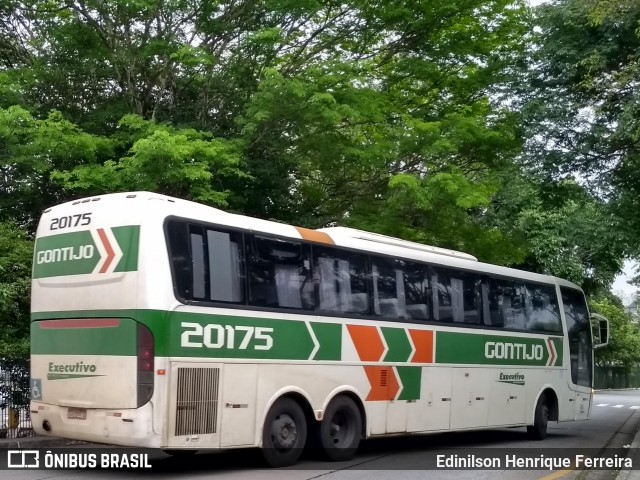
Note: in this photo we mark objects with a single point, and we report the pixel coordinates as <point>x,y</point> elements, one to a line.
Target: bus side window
<point>456,296</point>
<point>496,296</point>
<point>545,314</point>
<point>399,289</point>
<point>180,255</point>
<point>342,281</point>
<point>279,273</point>
<point>226,266</point>
<point>576,315</point>
<point>509,306</point>
<point>197,260</point>
<point>416,288</point>
<point>389,299</point>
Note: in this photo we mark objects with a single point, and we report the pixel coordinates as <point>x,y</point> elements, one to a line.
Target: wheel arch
<point>552,402</point>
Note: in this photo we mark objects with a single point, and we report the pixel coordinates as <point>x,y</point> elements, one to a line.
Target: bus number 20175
<point>79,219</point>
<point>213,335</point>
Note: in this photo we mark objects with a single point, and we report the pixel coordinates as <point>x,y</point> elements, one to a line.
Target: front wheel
<point>284,433</point>
<point>341,429</point>
<point>538,431</point>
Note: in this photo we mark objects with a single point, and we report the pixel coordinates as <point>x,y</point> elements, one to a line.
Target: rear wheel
<point>284,433</point>
<point>341,429</point>
<point>538,431</point>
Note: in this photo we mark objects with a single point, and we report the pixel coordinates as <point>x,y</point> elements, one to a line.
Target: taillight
<point>145,364</point>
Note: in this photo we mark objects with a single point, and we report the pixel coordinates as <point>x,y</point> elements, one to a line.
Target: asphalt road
<point>615,420</point>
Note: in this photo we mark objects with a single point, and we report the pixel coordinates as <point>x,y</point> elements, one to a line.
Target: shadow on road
<point>312,459</point>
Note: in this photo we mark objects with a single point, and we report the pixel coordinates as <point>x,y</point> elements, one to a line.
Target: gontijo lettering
<point>65,254</point>
<point>518,351</point>
<point>86,252</point>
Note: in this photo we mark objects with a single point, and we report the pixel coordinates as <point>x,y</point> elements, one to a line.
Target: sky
<point>620,286</point>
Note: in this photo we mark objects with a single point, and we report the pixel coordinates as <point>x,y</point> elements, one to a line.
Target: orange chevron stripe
<point>423,341</point>
<point>552,352</point>
<point>107,246</point>
<point>367,342</point>
<point>384,383</point>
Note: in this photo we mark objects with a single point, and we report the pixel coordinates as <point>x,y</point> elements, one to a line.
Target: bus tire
<point>341,429</point>
<point>284,433</point>
<point>538,431</point>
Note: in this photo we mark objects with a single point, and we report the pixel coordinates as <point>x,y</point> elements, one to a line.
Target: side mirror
<point>600,334</point>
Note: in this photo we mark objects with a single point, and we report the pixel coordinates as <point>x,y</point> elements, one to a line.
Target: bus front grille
<point>197,401</point>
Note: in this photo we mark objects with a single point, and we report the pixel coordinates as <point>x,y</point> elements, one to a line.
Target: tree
<point>623,349</point>
<point>16,250</point>
<point>581,113</point>
<point>180,162</point>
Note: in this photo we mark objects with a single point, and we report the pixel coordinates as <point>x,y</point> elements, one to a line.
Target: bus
<point>159,322</point>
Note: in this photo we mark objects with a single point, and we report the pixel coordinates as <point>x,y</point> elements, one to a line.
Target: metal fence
<point>15,419</point>
<point>616,377</point>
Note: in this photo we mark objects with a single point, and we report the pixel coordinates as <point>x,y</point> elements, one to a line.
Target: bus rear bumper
<point>126,427</point>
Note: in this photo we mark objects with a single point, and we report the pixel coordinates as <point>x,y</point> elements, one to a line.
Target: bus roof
<point>337,232</point>
<point>339,236</point>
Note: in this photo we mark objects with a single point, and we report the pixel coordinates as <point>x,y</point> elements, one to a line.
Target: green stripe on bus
<point>221,336</point>
<point>398,343</point>
<point>329,337</point>
<point>120,340</point>
<point>410,377</point>
<point>240,337</point>
<point>65,254</point>
<point>478,349</point>
<point>76,253</point>
<point>129,239</point>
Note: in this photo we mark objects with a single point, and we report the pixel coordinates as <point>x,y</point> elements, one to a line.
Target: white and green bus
<point>162,323</point>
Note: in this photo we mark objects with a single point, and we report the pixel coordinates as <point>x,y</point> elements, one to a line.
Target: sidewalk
<point>634,455</point>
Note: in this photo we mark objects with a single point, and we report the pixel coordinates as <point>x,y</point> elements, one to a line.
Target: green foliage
<point>30,150</point>
<point>623,349</point>
<point>179,162</point>
<point>573,237</point>
<point>442,209</point>
<point>582,113</point>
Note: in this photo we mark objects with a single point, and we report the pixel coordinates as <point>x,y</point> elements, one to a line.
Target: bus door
<point>580,350</point>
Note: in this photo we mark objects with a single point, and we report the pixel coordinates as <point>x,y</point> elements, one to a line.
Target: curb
<point>36,442</point>
<point>626,389</point>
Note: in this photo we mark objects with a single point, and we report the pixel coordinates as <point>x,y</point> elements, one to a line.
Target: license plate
<point>77,413</point>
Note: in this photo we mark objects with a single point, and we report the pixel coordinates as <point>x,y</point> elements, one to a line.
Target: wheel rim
<point>284,432</point>
<point>341,430</point>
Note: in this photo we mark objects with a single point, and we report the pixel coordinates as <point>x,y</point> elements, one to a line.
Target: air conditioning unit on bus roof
<point>387,240</point>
